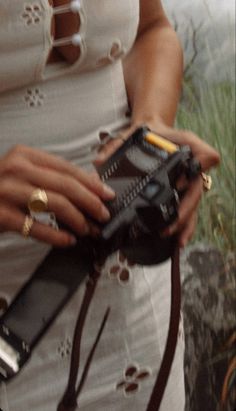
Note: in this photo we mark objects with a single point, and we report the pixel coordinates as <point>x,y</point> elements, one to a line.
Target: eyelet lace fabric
<point>32,13</point>
<point>132,379</point>
<point>64,348</point>
<point>67,110</point>
<point>29,26</point>
<point>121,270</point>
<point>34,97</point>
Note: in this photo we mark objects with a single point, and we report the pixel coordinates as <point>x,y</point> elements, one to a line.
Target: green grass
<point>209,111</point>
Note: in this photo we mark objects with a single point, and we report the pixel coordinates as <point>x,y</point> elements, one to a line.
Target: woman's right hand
<point>72,194</point>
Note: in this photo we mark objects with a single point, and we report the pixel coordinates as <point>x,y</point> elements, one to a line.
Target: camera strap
<point>168,357</point>
<point>37,305</point>
<point>70,399</point>
<point>43,297</point>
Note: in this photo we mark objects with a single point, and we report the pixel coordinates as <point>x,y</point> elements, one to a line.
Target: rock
<point>208,303</point>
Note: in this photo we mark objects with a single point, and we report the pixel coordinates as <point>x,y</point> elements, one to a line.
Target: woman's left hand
<point>206,155</point>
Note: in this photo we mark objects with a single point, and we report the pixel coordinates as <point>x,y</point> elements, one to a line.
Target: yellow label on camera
<point>161,142</point>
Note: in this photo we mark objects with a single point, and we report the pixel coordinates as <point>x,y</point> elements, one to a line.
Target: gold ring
<point>26,228</point>
<point>38,201</point>
<point>207,181</point>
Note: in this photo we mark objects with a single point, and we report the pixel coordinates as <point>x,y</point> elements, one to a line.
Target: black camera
<point>143,173</point>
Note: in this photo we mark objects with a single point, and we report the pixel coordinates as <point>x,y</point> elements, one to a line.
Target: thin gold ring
<point>27,226</point>
<point>38,202</point>
<point>207,181</point>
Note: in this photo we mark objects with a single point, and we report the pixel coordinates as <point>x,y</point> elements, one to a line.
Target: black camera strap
<point>37,305</point>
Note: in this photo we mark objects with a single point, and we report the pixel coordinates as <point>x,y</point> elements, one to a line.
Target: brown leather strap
<point>163,375</point>
<point>69,399</point>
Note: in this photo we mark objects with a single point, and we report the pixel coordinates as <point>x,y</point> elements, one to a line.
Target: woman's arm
<point>153,75</point>
<point>153,70</point>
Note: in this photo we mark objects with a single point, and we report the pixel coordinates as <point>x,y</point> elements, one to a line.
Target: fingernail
<point>108,191</point>
<point>105,214</point>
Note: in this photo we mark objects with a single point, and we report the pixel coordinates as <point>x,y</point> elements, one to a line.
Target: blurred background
<point>207,32</point>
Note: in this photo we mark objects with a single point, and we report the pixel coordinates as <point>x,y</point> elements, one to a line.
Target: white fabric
<point>62,109</point>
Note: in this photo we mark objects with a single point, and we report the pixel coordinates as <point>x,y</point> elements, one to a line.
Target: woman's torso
<point>63,108</point>
<point>63,102</point>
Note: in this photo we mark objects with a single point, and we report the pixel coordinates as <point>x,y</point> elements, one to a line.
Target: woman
<point>69,75</point>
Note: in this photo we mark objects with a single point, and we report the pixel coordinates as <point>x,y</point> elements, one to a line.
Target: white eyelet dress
<point>64,109</point>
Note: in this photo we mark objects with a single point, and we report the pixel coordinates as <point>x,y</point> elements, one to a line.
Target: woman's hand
<point>206,155</point>
<point>72,194</point>
<point>112,144</point>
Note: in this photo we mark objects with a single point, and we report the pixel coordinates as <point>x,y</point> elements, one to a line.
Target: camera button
<point>151,190</point>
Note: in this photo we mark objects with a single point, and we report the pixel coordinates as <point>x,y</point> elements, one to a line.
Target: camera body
<point>143,172</point>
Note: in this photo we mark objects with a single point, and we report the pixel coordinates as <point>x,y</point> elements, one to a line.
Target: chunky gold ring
<point>207,181</point>
<point>27,225</point>
<point>38,202</point>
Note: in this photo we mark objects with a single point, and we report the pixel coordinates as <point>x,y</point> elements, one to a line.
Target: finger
<point>188,231</point>
<point>187,207</point>
<point>94,230</point>
<point>182,183</point>
<point>108,149</point>
<point>12,219</point>
<point>207,155</point>
<point>18,194</point>
<point>67,187</point>
<point>113,144</point>
<point>46,161</point>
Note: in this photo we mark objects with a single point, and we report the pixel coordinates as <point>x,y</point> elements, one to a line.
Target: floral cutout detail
<point>121,270</point>
<point>34,98</point>
<point>32,14</point>
<point>133,378</point>
<point>116,52</point>
<point>64,349</point>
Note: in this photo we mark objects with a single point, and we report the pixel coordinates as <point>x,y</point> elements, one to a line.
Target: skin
<point>153,75</point>
<point>64,25</point>
<point>71,193</point>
